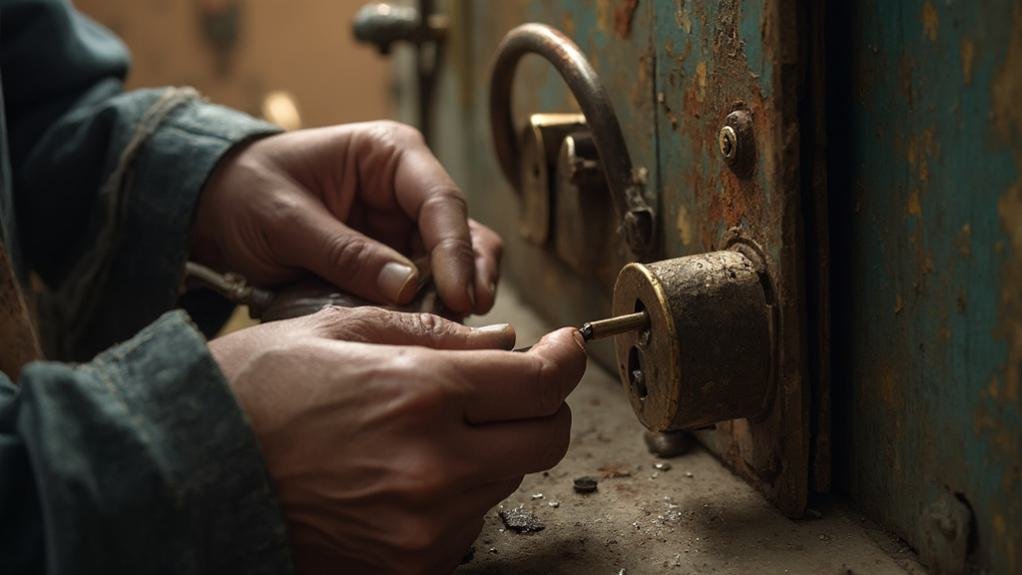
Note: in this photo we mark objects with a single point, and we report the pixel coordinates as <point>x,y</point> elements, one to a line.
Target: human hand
<point>385,456</point>
<point>351,204</point>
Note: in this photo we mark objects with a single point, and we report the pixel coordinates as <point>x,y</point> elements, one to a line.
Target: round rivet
<point>736,143</point>
<point>728,142</point>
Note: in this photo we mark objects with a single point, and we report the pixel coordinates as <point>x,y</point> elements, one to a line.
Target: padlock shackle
<point>627,191</point>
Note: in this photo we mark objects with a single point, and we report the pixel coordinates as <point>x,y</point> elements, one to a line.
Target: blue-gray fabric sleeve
<point>105,181</point>
<point>137,462</point>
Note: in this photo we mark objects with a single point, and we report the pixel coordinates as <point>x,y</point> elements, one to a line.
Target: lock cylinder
<point>706,355</point>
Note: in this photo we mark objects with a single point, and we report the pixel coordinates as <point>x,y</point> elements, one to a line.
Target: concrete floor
<point>696,517</point>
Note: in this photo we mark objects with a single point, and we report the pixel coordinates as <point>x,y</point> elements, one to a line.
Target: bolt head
<point>728,142</point>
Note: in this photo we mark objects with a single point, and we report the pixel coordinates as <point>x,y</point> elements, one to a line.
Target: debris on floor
<point>585,484</point>
<point>521,520</point>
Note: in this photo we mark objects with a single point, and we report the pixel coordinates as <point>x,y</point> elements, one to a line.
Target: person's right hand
<point>385,458</point>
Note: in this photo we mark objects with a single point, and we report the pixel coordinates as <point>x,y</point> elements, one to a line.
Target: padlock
<point>582,203</point>
<point>706,355</point>
<point>541,140</point>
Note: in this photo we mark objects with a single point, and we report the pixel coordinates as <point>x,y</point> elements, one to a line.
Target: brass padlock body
<point>706,356</point>
<point>540,143</point>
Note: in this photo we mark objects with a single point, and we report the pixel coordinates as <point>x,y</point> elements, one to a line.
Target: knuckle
<point>433,327</point>
<point>459,248</point>
<point>395,134</point>
<point>347,253</point>
<point>445,196</point>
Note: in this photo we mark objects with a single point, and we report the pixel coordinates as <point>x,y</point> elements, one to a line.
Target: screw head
<point>728,142</point>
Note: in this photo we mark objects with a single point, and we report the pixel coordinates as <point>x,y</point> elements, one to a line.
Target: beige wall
<point>301,46</point>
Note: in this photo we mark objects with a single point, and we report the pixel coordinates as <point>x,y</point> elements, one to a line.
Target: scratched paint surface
<point>926,172</point>
<point>713,58</point>
<point>674,70</point>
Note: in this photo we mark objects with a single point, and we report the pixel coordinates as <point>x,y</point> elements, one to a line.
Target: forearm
<point>138,462</point>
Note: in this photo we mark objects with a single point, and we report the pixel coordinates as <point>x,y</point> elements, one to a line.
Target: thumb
<point>352,261</point>
<point>377,325</point>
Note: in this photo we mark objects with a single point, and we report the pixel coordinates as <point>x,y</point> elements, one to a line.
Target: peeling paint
<point>931,22</point>
<point>684,226</point>
<point>683,17</point>
<point>623,16</point>
<point>968,54</point>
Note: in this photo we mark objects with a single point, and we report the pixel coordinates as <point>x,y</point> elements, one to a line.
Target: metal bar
<point>601,328</point>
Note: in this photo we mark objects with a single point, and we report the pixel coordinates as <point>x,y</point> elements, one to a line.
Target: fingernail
<point>581,341</point>
<point>495,328</point>
<point>394,280</point>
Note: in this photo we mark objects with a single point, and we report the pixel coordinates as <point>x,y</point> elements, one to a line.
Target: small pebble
<point>554,504</point>
<point>689,474</point>
<point>585,484</point>
<point>521,520</point>
<point>662,466</point>
<point>493,550</point>
<point>536,496</point>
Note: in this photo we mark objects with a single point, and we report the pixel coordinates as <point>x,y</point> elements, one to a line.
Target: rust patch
<point>684,226</point>
<point>614,471</point>
<point>1007,118</point>
<point>968,54</point>
<point>682,17</point>
<point>623,16</point>
<point>913,207</point>
<point>931,22</point>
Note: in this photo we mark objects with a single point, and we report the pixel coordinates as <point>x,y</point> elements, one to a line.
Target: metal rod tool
<point>602,328</point>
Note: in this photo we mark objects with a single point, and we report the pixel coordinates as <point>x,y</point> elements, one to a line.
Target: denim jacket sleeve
<point>137,462</point>
<point>105,181</point>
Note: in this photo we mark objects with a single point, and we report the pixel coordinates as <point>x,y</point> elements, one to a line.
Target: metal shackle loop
<point>627,191</point>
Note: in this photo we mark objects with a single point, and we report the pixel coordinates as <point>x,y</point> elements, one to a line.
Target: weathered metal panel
<point>926,179</point>
<point>713,58</point>
<point>674,70</point>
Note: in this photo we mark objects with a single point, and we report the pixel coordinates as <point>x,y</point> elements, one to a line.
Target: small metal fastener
<point>585,484</point>
<point>728,142</point>
<point>668,443</point>
<point>737,144</point>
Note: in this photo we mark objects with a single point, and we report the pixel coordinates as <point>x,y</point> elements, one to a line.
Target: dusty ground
<point>695,517</point>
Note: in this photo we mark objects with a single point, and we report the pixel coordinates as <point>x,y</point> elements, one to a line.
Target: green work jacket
<point>136,460</point>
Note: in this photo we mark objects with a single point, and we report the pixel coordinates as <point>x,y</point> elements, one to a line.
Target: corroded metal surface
<point>926,174</point>
<point>706,354</point>
<point>673,71</point>
<point>714,59</point>
<point>694,518</point>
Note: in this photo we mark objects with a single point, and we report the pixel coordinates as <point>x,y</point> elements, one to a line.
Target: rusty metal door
<point>889,128</point>
<point>674,72</point>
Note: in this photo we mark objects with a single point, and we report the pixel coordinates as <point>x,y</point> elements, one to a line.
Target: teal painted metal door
<point>926,181</point>
<point>908,158</point>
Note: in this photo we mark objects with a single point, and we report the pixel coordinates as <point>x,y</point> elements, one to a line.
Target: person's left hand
<point>351,204</point>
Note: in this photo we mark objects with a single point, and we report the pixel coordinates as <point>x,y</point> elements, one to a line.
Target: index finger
<point>507,386</point>
<point>430,197</point>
